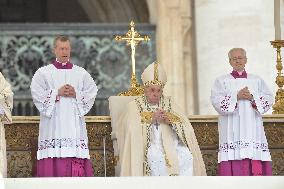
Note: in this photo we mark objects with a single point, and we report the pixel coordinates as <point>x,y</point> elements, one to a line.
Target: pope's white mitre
<point>154,74</point>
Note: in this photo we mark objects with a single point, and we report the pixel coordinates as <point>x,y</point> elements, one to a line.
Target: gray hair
<point>237,49</point>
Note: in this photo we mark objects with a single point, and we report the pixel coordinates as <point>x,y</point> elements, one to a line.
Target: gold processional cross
<point>132,38</point>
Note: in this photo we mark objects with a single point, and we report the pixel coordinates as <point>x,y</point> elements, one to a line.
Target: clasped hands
<point>244,94</point>
<point>67,91</point>
<point>160,116</point>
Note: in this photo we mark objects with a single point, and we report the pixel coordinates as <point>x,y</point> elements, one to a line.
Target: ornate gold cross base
<point>134,90</point>
<point>278,107</point>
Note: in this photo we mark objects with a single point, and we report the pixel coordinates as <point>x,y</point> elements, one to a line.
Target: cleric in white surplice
<point>241,99</point>
<point>63,93</point>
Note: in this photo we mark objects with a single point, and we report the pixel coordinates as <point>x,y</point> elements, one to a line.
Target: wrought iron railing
<point>26,47</point>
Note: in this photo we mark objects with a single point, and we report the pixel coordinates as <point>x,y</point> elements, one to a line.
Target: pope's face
<point>153,93</point>
<point>238,60</point>
<point>62,50</point>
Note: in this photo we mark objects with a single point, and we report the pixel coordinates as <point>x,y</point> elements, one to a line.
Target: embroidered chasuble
<point>6,104</point>
<point>147,149</point>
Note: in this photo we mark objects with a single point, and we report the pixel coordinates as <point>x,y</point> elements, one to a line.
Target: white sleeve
<point>224,102</point>
<point>263,98</point>
<point>43,97</point>
<point>2,112</point>
<point>6,100</point>
<point>85,97</point>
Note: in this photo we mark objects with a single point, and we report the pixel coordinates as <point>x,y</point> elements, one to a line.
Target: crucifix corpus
<point>132,38</point>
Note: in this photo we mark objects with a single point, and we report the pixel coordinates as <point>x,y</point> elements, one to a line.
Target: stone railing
<point>22,143</point>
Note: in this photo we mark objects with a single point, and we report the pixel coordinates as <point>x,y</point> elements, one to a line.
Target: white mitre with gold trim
<point>154,74</point>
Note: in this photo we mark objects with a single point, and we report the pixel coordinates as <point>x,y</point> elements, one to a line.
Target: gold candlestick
<point>132,38</point>
<point>278,107</point>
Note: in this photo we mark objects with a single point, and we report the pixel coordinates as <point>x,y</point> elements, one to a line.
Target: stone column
<point>173,19</point>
